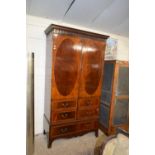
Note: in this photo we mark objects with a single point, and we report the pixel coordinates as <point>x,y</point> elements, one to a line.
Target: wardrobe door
<point>66,66</point>
<point>91,70</point>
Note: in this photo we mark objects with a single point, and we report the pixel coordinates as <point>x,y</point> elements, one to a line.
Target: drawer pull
<point>63,130</point>
<point>88,112</point>
<point>88,103</point>
<point>64,115</point>
<point>66,104</point>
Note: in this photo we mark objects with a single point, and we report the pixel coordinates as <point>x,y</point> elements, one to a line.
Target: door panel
<point>66,66</point>
<point>91,72</point>
<point>121,112</point>
<point>123,81</point>
<point>104,115</point>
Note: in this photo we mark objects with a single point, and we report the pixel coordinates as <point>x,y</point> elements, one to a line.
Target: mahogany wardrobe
<point>73,81</point>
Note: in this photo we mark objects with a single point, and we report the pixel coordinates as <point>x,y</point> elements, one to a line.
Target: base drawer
<point>72,128</point>
<point>88,125</point>
<point>62,130</point>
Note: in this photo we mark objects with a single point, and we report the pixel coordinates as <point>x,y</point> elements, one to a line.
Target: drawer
<point>63,130</point>
<point>63,116</point>
<point>88,125</point>
<point>91,113</point>
<point>64,105</point>
<point>87,103</point>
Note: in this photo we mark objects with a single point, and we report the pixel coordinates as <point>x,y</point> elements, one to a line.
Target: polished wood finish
<point>88,125</point>
<point>62,130</point>
<point>91,72</point>
<point>115,97</point>
<point>64,105</point>
<point>66,66</point>
<point>63,116</point>
<point>88,103</point>
<point>88,114</point>
<point>60,29</point>
<point>74,82</point>
<point>73,128</point>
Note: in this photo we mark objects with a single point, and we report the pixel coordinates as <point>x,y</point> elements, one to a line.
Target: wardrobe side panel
<point>48,72</point>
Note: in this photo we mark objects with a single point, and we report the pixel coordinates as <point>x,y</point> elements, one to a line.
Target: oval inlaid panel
<point>66,67</point>
<point>93,68</point>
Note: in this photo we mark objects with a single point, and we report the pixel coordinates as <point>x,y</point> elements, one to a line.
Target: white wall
<point>35,38</point>
<point>36,43</point>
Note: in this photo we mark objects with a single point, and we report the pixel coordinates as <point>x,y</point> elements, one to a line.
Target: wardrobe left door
<point>66,66</point>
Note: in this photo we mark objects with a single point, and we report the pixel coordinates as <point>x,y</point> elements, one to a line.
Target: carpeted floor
<point>82,145</point>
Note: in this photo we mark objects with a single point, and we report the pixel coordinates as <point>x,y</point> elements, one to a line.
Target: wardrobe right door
<point>91,68</point>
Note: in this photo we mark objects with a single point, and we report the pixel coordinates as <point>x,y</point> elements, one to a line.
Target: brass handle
<point>63,130</point>
<point>64,115</point>
<point>88,103</point>
<point>88,112</point>
<point>66,104</point>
